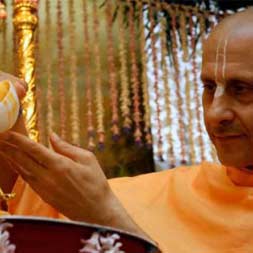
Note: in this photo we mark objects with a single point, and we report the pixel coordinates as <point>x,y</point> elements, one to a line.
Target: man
<point>199,209</point>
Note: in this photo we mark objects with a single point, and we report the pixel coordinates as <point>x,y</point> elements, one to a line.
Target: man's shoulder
<point>150,179</point>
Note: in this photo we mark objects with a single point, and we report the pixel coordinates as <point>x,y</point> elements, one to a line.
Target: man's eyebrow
<point>241,78</point>
<point>206,78</point>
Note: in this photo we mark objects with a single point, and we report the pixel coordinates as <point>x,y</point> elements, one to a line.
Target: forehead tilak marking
<point>220,89</point>
<point>217,60</point>
<point>220,86</point>
<point>224,59</point>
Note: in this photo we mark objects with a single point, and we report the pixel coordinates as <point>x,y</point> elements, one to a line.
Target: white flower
<point>5,246</point>
<point>101,244</point>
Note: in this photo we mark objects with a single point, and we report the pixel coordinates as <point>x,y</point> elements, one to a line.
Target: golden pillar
<point>25,22</point>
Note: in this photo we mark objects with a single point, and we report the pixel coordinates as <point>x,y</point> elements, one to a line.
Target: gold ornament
<point>25,22</point>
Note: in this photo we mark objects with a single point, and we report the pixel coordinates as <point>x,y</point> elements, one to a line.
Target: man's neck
<point>240,177</point>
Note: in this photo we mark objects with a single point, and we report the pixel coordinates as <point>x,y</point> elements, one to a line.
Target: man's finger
<point>22,163</point>
<point>36,151</point>
<point>64,148</point>
<point>20,89</point>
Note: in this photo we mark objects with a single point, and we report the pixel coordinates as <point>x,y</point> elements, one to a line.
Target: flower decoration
<point>5,245</point>
<point>102,244</point>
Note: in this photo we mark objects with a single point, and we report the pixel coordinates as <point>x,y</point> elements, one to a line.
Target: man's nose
<point>221,111</point>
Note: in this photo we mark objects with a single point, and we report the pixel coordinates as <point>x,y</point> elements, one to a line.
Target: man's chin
<point>247,167</point>
<point>236,163</point>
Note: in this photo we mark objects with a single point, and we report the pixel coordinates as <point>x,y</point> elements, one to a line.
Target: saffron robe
<point>193,209</point>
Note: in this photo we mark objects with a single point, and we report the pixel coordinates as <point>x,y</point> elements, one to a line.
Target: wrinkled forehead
<point>240,41</point>
<point>232,46</point>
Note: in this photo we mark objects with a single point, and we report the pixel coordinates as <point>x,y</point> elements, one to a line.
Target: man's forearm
<point>7,175</point>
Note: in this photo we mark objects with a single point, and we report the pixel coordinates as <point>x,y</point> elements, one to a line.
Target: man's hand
<point>7,175</point>
<point>70,179</point>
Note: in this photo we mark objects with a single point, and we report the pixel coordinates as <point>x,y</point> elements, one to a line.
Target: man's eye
<point>238,89</point>
<point>209,87</point>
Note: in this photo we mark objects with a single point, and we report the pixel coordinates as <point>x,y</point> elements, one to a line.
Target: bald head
<point>231,38</point>
<point>233,22</point>
<point>238,25</point>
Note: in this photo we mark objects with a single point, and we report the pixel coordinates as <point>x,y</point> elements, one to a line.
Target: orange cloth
<point>3,213</point>
<point>193,209</point>
<point>27,202</point>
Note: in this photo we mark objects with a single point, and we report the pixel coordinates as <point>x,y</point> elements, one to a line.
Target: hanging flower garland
<point>173,15</point>
<point>39,97</point>
<point>188,88</point>
<point>144,80</point>
<point>134,76</point>
<point>195,83</point>
<point>202,25</point>
<point>167,94</point>
<point>61,71</point>
<point>125,91</point>
<point>156,88</point>
<point>91,144</point>
<point>49,94</point>
<point>184,40</point>
<point>183,33</point>
<point>112,73</point>
<point>3,30</point>
<point>75,124</point>
<point>14,52</point>
<point>99,96</point>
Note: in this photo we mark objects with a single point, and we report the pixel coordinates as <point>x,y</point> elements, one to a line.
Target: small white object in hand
<point>9,105</point>
<point>5,245</point>
<point>102,244</point>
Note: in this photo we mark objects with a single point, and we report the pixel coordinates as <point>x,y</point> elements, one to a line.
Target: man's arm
<point>8,176</point>
<point>70,179</point>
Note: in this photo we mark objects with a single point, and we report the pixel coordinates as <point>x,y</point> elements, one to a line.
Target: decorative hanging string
<point>202,25</point>
<point>39,96</point>
<point>196,93</point>
<point>60,69</point>
<point>173,15</point>
<point>125,90</point>
<point>213,20</point>
<point>87,63</point>
<point>134,76</point>
<point>188,88</point>
<point>3,30</point>
<point>144,80</point>
<point>99,96</point>
<point>49,94</point>
<point>112,72</point>
<point>156,88</point>
<point>183,33</point>
<point>184,40</point>
<point>167,93</point>
<point>74,116</point>
<point>14,54</point>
